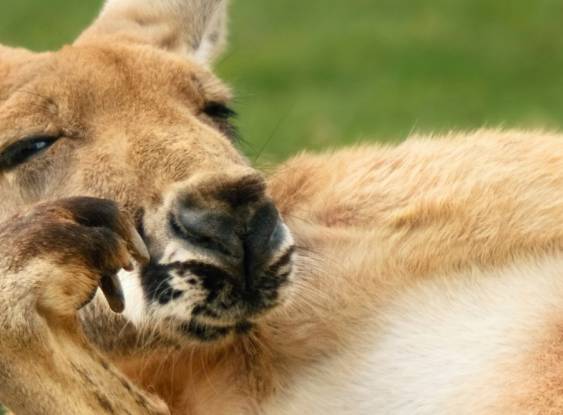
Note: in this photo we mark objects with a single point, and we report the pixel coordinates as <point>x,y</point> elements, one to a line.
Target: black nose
<point>264,235</point>
<point>244,239</point>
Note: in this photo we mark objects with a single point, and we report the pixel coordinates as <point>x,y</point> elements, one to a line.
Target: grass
<point>326,73</point>
<point>323,73</point>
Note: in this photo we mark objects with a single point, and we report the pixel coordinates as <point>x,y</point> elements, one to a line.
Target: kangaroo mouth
<point>202,302</point>
<point>209,276</point>
<point>205,332</point>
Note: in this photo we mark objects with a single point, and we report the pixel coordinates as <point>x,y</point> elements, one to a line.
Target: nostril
<point>207,230</point>
<point>263,223</point>
<point>264,234</point>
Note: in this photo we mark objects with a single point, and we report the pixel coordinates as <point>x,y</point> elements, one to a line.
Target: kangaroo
<point>147,268</point>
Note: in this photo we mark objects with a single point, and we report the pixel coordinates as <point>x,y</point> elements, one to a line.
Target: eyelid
<point>216,109</point>
<point>42,130</point>
<point>9,154</point>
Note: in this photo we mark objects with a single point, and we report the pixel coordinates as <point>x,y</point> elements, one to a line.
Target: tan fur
<point>370,223</point>
<point>423,209</point>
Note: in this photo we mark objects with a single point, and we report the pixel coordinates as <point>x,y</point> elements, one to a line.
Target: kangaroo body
<point>418,279</point>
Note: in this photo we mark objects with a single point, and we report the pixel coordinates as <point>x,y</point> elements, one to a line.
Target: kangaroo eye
<point>218,110</point>
<point>20,152</point>
<point>222,116</point>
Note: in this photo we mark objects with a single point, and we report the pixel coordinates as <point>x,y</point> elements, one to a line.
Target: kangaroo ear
<point>191,27</point>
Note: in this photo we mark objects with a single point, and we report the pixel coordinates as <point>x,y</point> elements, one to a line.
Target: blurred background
<point>325,73</point>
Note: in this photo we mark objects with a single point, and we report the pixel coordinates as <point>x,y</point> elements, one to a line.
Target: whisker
<point>273,133</point>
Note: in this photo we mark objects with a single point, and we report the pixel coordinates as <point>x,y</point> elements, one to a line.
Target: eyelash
<point>222,115</point>
<point>219,111</point>
<point>22,151</point>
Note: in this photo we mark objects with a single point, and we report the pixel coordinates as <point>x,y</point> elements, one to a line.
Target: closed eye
<point>23,150</point>
<point>222,116</point>
<point>218,110</point>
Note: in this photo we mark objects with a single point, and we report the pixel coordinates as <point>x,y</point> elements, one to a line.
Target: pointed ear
<point>195,28</point>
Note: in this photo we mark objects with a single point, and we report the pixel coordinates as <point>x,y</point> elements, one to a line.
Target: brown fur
<point>369,222</point>
<point>430,213</point>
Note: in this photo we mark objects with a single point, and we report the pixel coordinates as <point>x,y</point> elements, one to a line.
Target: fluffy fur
<point>425,280</point>
<point>427,283</point>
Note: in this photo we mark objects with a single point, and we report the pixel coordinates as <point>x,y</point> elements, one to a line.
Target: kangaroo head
<point>131,112</point>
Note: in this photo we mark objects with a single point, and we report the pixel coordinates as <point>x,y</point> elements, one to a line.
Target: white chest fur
<point>445,346</point>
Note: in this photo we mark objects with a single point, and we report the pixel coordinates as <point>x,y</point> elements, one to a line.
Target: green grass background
<point>323,73</point>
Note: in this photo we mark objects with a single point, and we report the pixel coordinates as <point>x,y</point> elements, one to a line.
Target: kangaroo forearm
<point>63,376</point>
